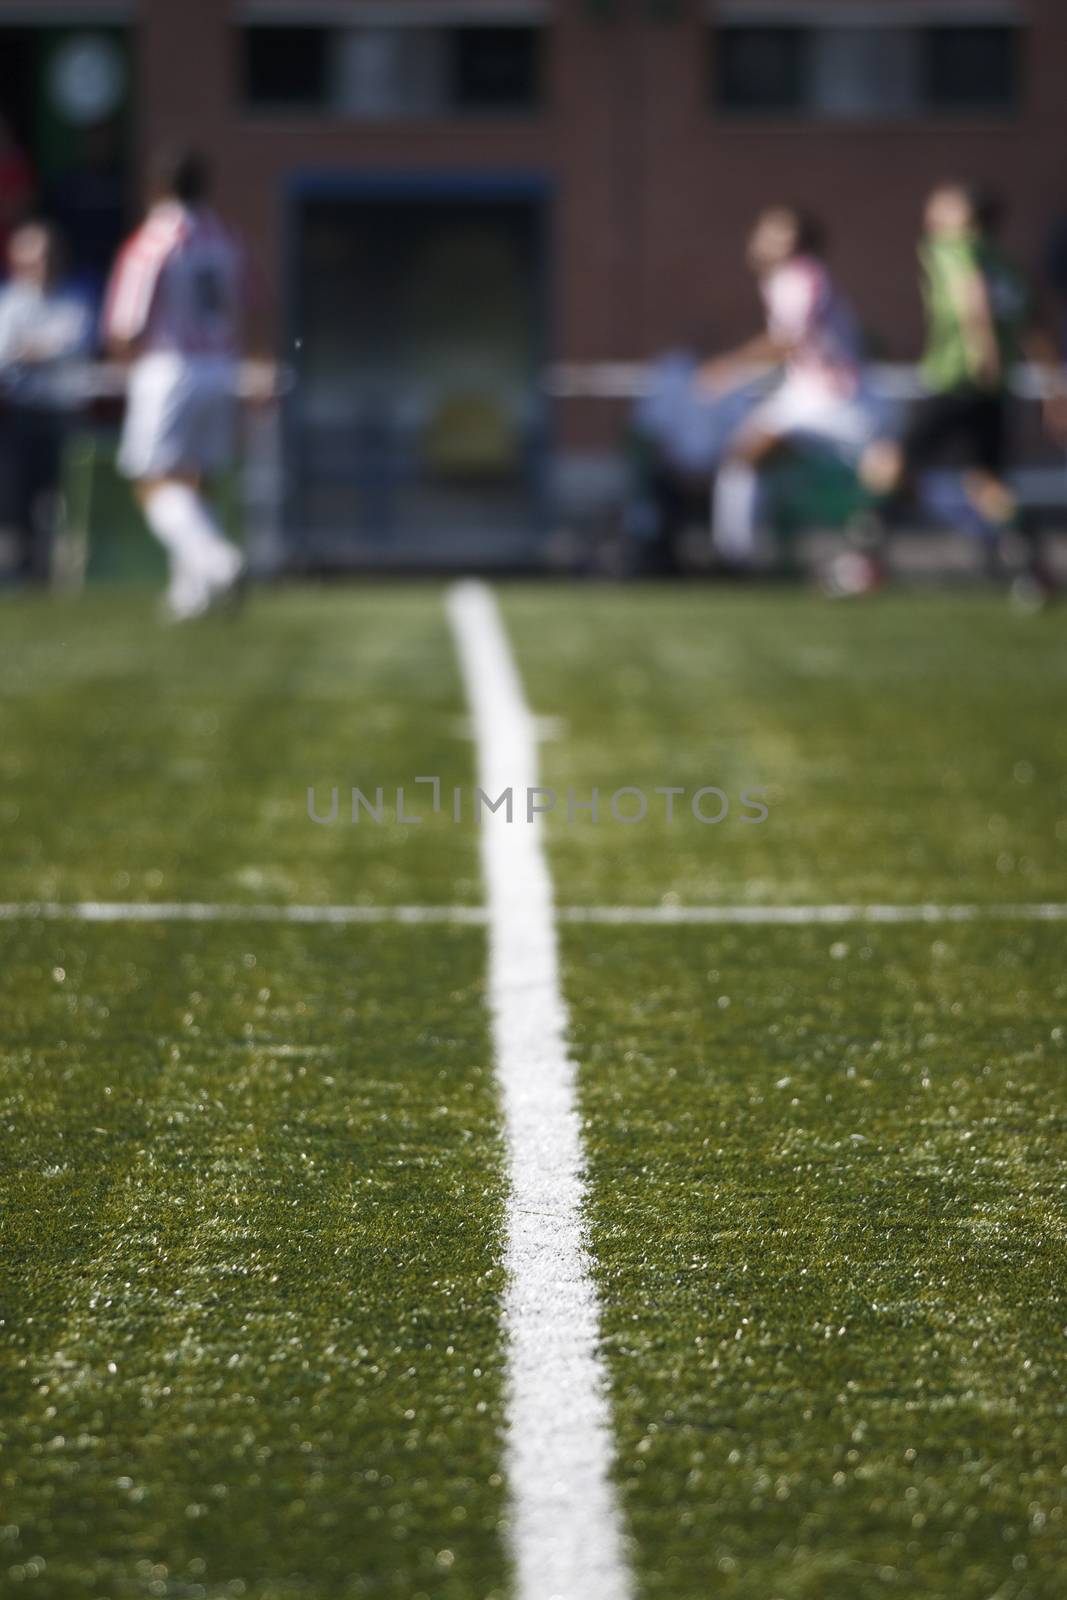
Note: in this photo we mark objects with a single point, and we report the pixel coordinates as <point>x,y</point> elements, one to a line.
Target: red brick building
<point>507,183</point>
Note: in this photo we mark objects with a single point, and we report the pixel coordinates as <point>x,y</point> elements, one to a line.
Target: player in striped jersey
<point>174,312</point>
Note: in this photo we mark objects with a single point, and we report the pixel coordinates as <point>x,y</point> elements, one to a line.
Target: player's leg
<point>202,561</point>
<point>987,489</point>
<point>993,498</point>
<point>213,445</point>
<point>150,448</point>
<point>847,428</point>
<point>891,462</point>
<point>42,463</point>
<point>890,466</point>
<point>174,432</point>
<point>958,418</point>
<point>735,492</point>
<point>30,471</point>
<point>995,503</point>
<point>984,482</point>
<point>883,468</point>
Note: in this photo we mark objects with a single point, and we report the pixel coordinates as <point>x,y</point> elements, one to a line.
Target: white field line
<point>201,911</point>
<point>803,916</point>
<point>478,916</point>
<point>566,1532</point>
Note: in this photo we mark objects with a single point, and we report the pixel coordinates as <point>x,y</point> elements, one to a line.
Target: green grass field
<point>253,1175</point>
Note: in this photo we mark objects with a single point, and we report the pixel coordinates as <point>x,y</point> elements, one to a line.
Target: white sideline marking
<point>478,916</point>
<point>566,1530</point>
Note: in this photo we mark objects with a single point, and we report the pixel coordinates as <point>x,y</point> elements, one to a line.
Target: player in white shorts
<point>174,311</point>
<point>820,404</point>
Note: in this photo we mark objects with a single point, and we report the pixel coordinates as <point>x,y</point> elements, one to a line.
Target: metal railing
<point>629,380</point>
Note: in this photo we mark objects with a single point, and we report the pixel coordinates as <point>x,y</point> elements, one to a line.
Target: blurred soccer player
<point>45,334</point>
<point>174,310</point>
<point>980,322</point>
<point>821,404</point>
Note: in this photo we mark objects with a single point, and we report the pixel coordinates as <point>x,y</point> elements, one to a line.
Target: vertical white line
<point>565,1525</point>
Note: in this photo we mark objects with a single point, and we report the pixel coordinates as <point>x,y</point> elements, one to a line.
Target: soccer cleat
<point>228,584</point>
<point>184,601</point>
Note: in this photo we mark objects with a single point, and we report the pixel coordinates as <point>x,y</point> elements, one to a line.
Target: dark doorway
<point>416,432</point>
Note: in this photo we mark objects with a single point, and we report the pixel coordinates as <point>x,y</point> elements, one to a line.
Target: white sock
<point>202,561</point>
<point>733,513</point>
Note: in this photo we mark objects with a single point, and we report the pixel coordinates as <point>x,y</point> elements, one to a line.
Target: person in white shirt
<point>174,310</point>
<point>821,403</point>
<point>45,334</point>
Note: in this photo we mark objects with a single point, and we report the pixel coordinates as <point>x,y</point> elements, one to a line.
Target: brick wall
<point>654,190</point>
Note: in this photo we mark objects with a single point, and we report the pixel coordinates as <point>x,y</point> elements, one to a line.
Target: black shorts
<point>962,427</point>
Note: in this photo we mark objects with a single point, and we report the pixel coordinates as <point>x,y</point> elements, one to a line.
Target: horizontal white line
<point>199,911</point>
<point>477,916</point>
<point>789,916</point>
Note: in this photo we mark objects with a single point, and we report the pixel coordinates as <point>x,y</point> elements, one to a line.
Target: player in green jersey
<point>980,323</point>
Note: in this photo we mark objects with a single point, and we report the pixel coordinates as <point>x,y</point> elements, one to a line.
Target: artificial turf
<point>912,749</point>
<point>251,1175</point>
<point>257,1170</point>
<point>250,1339</point>
<point>827,1203</point>
<point>829,1227</point>
<point>139,762</point>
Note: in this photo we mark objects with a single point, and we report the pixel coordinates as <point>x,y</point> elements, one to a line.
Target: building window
<point>285,67</point>
<point>496,68</point>
<point>380,73</point>
<point>761,69</point>
<point>974,69</point>
<point>865,72</point>
<point>385,72</point>
<point>859,71</point>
